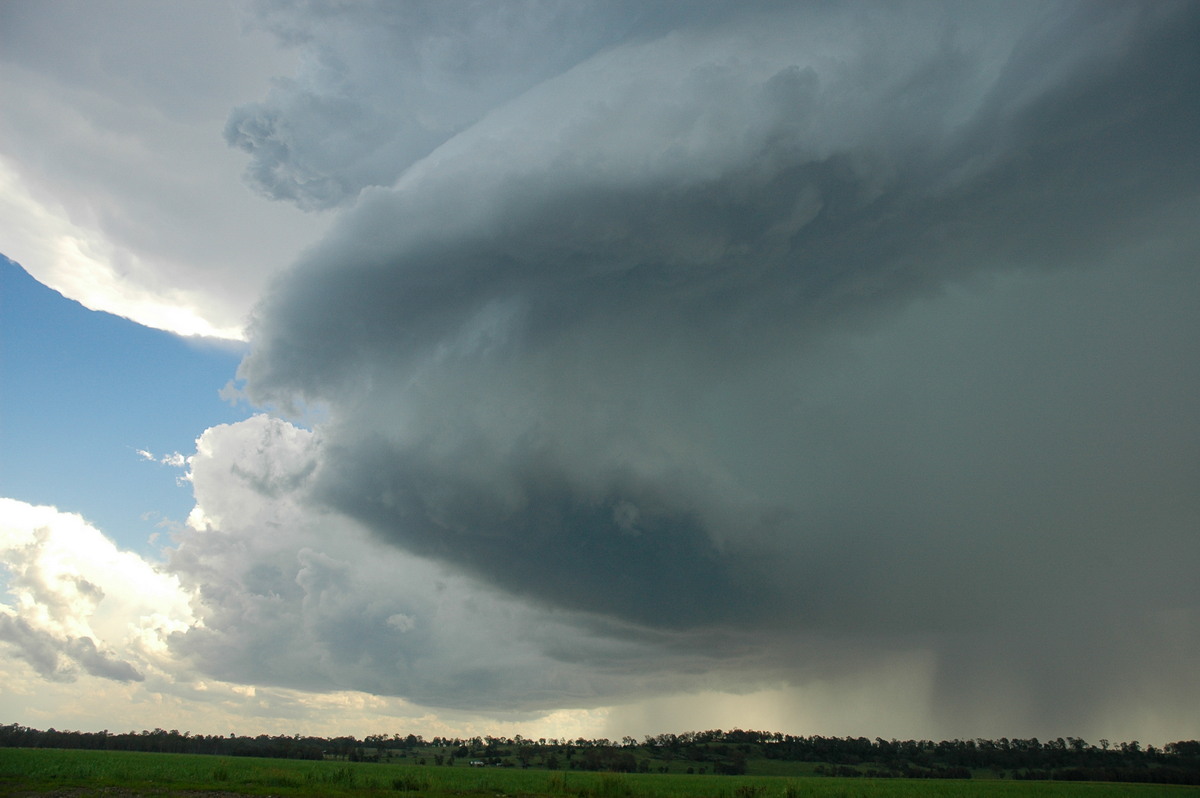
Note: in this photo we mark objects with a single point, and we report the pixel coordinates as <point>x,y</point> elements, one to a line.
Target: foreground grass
<point>32,772</point>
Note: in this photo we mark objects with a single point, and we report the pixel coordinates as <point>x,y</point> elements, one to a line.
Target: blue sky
<point>83,391</point>
<point>827,368</point>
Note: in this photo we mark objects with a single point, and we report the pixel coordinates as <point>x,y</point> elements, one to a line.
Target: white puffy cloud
<point>78,602</point>
<point>86,634</point>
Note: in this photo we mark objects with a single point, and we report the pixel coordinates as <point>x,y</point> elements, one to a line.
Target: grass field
<point>35,772</point>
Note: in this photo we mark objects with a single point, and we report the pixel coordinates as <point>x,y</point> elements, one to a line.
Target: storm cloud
<point>294,596</point>
<point>835,331</point>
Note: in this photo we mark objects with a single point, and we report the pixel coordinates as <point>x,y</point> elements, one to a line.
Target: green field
<point>33,772</point>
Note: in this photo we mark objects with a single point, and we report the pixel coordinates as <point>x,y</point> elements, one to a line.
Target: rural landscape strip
<point>707,753</point>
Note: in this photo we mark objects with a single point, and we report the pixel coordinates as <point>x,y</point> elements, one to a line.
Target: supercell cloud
<point>837,355</point>
<point>783,335</point>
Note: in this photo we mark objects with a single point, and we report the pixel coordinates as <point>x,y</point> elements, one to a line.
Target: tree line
<point>707,752</point>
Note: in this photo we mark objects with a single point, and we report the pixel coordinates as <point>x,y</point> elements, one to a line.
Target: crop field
<point>51,772</point>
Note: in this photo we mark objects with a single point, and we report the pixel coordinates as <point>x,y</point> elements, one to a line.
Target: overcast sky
<point>601,368</point>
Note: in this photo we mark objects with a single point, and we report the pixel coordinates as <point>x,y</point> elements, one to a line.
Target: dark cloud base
<point>652,565</point>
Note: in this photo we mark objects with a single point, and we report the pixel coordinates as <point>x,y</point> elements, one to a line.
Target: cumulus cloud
<point>812,333</point>
<point>79,604</point>
<point>89,634</point>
